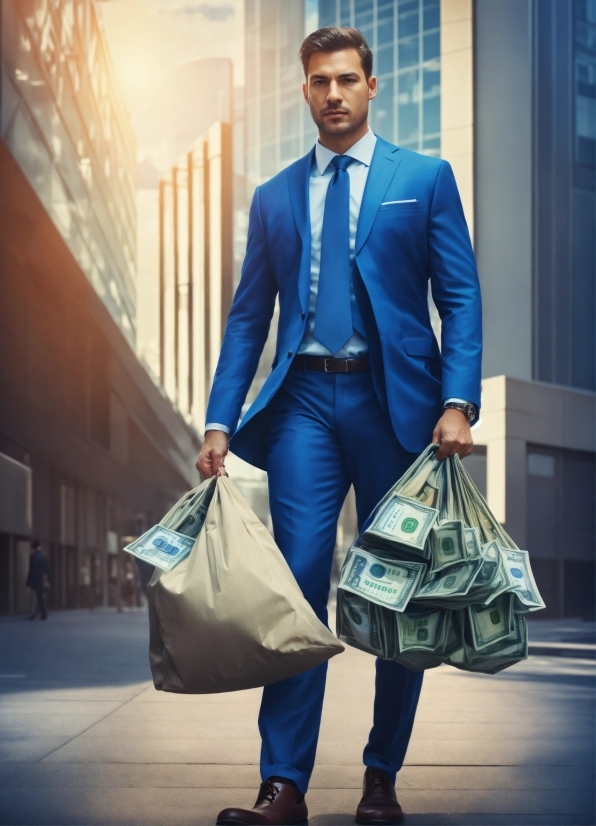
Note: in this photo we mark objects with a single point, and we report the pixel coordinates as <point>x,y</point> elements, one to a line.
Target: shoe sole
<point>237,823</point>
<point>379,822</point>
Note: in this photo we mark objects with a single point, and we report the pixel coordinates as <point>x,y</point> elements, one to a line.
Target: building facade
<point>195,269</point>
<point>534,182</point>
<point>91,450</point>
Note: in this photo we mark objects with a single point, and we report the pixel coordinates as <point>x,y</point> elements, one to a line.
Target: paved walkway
<point>85,739</point>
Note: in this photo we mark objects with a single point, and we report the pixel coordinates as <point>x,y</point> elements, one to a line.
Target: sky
<point>149,38</point>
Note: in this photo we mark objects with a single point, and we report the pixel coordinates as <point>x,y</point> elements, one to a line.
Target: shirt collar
<point>361,151</point>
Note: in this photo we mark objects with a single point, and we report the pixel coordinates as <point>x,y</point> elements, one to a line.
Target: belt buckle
<point>344,363</point>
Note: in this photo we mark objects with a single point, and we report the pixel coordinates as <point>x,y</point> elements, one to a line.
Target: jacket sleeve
<point>455,290</point>
<point>247,327</point>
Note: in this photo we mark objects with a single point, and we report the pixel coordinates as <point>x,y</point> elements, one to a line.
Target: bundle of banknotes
<point>433,578</point>
<point>168,543</point>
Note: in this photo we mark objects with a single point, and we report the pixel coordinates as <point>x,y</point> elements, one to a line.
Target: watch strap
<point>467,408</point>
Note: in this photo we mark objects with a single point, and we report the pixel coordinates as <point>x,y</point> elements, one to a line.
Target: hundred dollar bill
<point>188,514</point>
<point>357,624</point>
<point>517,568</point>
<point>448,544</point>
<point>502,654</point>
<point>425,631</point>
<point>403,521</point>
<point>491,580</point>
<point>387,583</point>
<point>455,581</point>
<point>491,623</point>
<point>161,547</point>
<point>473,542</point>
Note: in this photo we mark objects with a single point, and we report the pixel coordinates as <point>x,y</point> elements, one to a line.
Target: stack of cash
<point>168,543</point>
<point>433,577</point>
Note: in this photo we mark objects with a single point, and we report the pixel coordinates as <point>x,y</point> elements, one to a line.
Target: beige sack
<point>231,615</point>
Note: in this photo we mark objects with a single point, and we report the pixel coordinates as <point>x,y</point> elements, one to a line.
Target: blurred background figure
<point>38,579</point>
<point>130,588</point>
<point>145,573</point>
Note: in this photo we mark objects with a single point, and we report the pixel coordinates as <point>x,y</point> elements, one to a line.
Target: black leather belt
<point>331,365</point>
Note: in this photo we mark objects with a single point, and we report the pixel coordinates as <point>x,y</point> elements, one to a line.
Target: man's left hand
<point>454,435</point>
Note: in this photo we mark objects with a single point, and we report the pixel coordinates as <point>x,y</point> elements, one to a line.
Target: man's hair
<point>35,544</point>
<point>333,39</point>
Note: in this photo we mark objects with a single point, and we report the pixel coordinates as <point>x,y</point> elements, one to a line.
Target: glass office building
<point>65,124</point>
<point>92,452</point>
<point>279,128</point>
<point>405,38</point>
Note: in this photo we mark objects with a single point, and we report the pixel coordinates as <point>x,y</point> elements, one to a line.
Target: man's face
<point>337,91</point>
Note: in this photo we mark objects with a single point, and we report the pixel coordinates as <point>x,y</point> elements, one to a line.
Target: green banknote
<point>473,542</point>
<point>448,544</point>
<point>456,581</point>
<point>161,547</point>
<point>502,654</point>
<point>517,568</point>
<point>491,623</point>
<point>426,632</point>
<point>358,624</point>
<point>385,582</point>
<point>403,521</point>
<point>473,586</point>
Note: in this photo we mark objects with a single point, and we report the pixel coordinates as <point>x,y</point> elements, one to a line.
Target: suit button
<point>290,354</point>
<point>302,316</point>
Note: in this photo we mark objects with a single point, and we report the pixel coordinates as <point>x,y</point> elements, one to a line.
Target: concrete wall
<point>517,413</point>
<point>503,181</point>
<point>457,98</point>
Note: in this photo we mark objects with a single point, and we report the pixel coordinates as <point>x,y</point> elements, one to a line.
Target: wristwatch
<point>467,408</point>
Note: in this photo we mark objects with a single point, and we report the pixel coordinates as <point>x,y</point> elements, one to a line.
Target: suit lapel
<point>385,160</point>
<point>298,186</point>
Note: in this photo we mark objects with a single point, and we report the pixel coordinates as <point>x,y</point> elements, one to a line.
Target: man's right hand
<point>210,461</point>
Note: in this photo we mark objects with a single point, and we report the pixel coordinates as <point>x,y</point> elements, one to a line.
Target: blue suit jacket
<point>399,247</point>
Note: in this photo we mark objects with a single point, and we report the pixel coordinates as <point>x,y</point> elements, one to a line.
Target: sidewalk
<point>85,739</point>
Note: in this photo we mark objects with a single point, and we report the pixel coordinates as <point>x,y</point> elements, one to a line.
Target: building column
<point>457,98</point>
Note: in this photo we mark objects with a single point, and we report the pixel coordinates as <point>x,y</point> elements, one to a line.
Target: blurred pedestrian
<point>145,573</point>
<point>129,586</point>
<point>38,579</point>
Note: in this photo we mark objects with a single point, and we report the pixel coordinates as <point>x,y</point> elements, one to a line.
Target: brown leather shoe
<point>279,804</point>
<point>379,804</point>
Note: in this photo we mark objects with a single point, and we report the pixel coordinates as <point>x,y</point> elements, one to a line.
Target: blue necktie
<point>333,311</point>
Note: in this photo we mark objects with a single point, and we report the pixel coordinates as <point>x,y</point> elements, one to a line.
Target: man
<point>38,578</point>
<point>348,237</point>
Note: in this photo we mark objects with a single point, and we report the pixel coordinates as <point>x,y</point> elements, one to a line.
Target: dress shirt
<point>321,173</point>
<point>320,176</point>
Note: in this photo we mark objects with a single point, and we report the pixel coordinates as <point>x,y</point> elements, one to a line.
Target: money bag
<point>231,615</point>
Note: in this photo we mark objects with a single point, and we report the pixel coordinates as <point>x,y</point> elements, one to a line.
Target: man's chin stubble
<point>329,127</point>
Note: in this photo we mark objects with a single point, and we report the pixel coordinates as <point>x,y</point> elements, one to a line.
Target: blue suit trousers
<point>328,431</point>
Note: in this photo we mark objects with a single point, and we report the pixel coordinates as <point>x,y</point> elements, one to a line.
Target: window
<point>585,83</point>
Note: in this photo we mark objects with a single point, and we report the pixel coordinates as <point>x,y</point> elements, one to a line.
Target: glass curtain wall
<point>404,36</point>
<point>63,120</point>
<point>584,60</point>
<point>279,128</point>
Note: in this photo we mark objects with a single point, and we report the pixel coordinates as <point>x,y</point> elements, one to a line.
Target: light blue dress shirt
<point>320,176</point>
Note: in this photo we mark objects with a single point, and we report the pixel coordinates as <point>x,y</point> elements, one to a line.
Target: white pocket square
<point>405,201</point>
